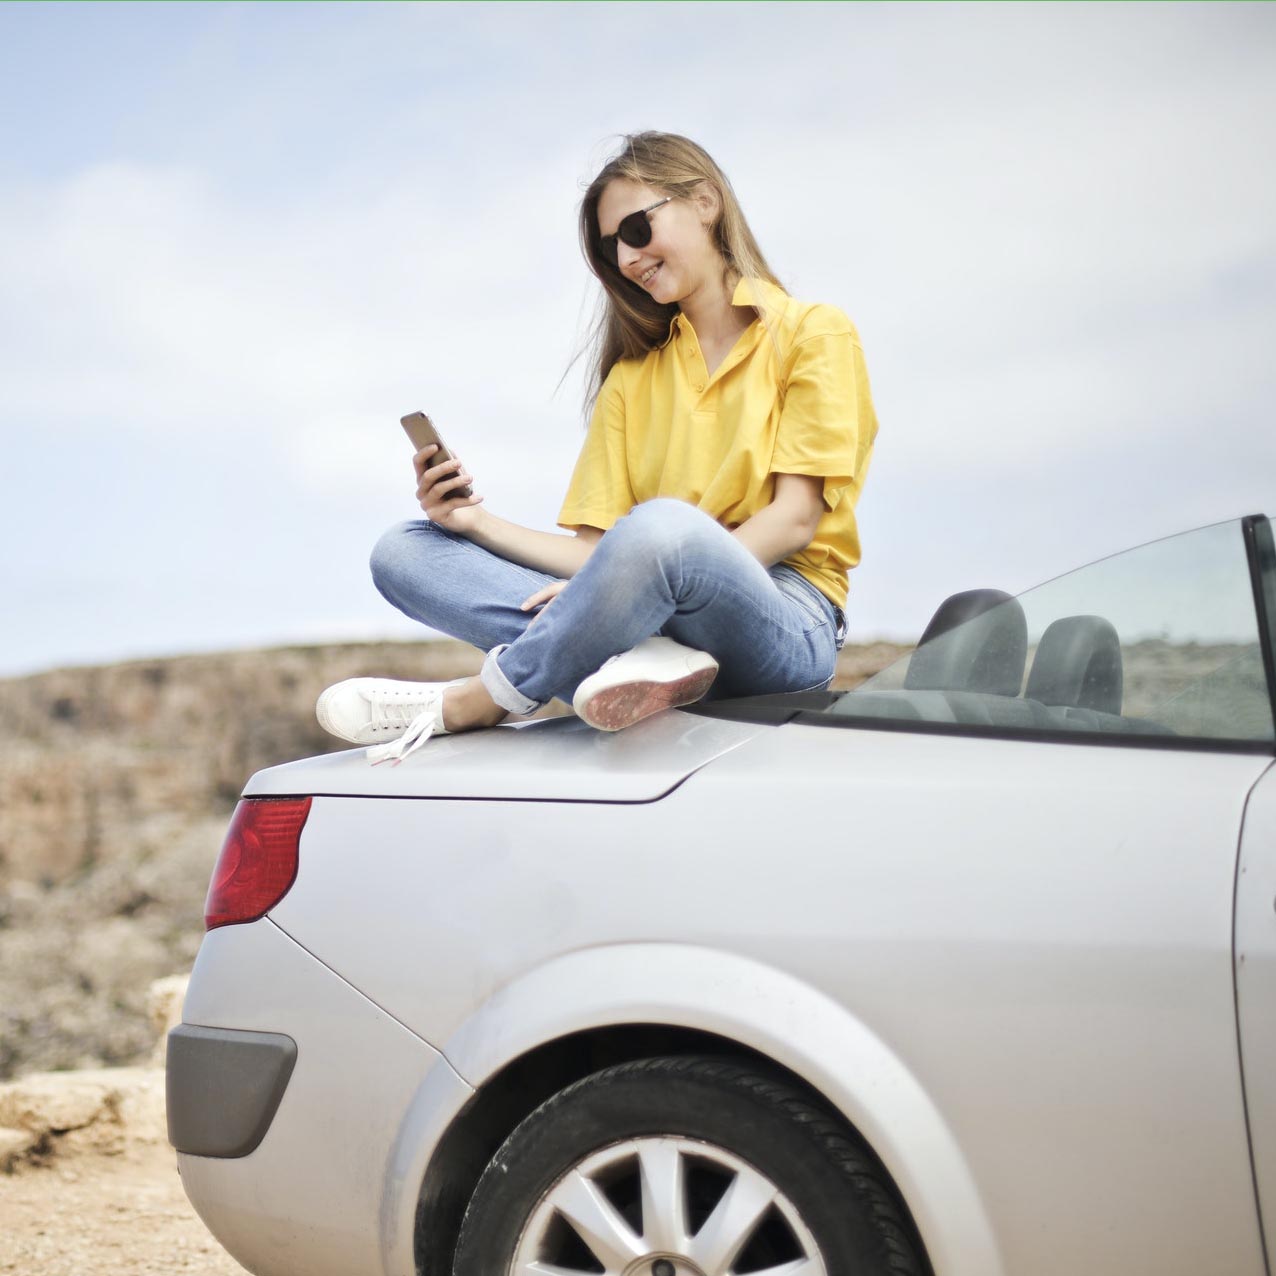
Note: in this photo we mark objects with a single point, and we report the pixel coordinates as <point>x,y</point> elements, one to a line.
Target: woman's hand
<point>546,596</point>
<point>434,483</point>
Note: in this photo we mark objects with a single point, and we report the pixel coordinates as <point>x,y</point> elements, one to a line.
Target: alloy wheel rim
<point>662,1205</point>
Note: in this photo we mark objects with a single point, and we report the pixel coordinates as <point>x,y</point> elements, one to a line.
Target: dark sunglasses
<point>635,230</point>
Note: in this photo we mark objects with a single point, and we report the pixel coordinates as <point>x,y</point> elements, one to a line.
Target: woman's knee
<point>662,524</point>
<point>396,550</point>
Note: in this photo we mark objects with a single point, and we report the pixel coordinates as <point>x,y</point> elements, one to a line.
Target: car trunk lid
<point>553,760</point>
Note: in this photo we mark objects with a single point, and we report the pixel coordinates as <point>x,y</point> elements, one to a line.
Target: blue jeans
<point>666,568</point>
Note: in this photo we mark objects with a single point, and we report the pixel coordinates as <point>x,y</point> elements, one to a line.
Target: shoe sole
<point>615,708</point>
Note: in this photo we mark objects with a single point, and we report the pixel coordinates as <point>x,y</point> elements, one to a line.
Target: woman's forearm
<point>556,553</point>
<point>772,534</point>
<point>788,523</point>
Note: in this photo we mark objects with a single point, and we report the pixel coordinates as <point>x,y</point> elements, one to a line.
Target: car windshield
<point>1159,641</point>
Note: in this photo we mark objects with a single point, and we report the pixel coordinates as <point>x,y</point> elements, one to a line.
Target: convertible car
<point>970,971</point>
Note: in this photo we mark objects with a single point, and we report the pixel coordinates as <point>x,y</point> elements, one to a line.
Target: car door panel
<point>1043,933</point>
<point>1256,987</point>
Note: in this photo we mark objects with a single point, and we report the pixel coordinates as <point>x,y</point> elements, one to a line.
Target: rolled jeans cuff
<point>501,689</point>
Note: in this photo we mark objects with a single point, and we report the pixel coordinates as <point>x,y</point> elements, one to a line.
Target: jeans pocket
<point>797,590</point>
<point>819,686</point>
<point>817,617</point>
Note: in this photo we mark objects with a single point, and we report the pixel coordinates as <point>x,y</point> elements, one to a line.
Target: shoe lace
<point>418,717</point>
<point>397,715</point>
<point>420,730</point>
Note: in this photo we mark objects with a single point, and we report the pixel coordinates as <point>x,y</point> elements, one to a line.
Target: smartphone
<point>421,431</point>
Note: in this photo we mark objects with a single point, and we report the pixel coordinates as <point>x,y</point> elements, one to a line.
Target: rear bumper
<point>321,1188</point>
<point>224,1087</point>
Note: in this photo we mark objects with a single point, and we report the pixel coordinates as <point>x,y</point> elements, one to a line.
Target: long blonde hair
<point>629,321</point>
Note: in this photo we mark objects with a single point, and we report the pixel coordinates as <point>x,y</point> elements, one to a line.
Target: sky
<point>239,241</point>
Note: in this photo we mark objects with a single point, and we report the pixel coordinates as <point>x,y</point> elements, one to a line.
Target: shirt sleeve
<point>600,491</point>
<point>827,419</point>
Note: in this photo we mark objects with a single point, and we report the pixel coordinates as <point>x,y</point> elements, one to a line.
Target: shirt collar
<point>750,291</point>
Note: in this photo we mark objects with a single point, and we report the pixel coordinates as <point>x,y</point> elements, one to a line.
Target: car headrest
<point>976,641</point>
<point>1078,665</point>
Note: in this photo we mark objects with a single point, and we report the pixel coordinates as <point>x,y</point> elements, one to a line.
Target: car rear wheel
<point>686,1166</point>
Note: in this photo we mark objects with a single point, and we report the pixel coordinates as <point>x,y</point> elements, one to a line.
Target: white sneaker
<point>396,717</point>
<point>658,673</point>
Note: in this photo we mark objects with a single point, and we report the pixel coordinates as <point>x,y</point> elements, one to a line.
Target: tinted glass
<point>1161,640</point>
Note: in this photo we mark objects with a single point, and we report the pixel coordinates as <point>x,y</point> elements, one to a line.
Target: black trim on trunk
<point>1118,739</point>
<point>807,709</point>
<point>773,710</point>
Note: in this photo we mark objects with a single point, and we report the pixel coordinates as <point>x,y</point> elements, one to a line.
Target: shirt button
<point>699,386</point>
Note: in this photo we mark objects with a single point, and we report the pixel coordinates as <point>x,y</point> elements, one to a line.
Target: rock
<point>52,1102</point>
<point>57,1114</point>
<point>14,1145</point>
<point>164,1001</point>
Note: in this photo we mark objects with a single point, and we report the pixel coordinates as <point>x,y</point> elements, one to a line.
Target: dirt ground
<point>95,1215</point>
<point>88,1181</point>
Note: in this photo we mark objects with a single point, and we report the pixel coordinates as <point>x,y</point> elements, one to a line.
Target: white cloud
<point>1051,224</point>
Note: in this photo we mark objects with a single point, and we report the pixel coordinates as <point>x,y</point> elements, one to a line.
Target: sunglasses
<point>635,230</point>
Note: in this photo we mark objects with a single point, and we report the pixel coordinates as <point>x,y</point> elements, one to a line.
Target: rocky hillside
<point>115,787</point>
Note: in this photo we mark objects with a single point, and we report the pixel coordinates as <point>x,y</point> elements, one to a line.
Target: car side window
<point>1159,641</point>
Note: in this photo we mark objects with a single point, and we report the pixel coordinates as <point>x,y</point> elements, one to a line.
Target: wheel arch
<point>497,1107</point>
<point>586,1010</point>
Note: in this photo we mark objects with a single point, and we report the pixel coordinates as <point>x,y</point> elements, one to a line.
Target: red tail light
<point>258,860</point>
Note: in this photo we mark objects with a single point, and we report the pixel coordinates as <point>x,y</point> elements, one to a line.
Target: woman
<point>711,511</point>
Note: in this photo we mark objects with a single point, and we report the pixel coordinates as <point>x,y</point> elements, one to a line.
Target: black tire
<point>825,1178</point>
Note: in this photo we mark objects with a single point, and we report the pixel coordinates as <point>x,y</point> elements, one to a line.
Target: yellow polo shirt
<point>663,427</point>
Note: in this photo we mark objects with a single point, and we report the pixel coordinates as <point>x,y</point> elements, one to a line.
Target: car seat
<point>976,641</point>
<point>1078,666</point>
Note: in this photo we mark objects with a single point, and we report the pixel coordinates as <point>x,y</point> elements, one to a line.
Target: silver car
<point>969,971</point>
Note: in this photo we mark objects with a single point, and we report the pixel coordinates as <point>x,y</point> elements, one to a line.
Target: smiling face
<point>682,254</point>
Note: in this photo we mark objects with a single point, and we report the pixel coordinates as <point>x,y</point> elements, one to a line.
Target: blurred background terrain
<point>116,786</point>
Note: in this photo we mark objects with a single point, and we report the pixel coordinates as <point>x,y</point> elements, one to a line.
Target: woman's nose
<point>626,256</point>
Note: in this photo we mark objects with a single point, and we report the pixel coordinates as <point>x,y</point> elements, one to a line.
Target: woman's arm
<point>786,525</point>
<point>557,553</point>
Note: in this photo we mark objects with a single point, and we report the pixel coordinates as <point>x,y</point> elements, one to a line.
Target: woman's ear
<point>707,201</point>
